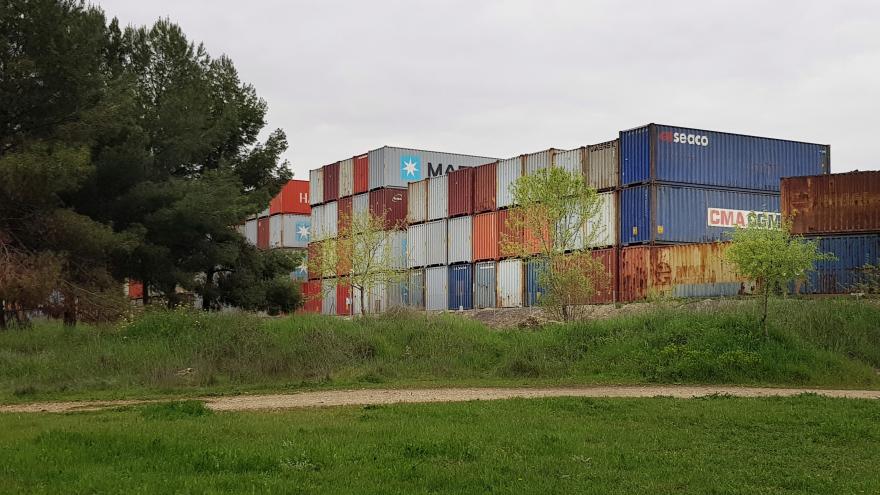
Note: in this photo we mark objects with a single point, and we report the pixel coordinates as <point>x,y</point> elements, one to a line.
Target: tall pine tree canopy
<point>126,153</point>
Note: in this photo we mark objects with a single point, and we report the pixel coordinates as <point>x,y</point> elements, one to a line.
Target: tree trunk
<point>69,310</point>
<point>146,289</point>
<point>207,292</point>
<point>361,292</point>
<point>2,315</point>
<point>764,312</point>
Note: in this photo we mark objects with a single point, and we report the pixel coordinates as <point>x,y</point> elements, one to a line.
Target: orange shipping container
<point>832,204</point>
<point>506,233</point>
<point>135,289</point>
<point>485,236</point>
<point>343,298</point>
<point>311,292</point>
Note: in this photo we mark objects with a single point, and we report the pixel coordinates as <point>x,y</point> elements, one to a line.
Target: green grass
<point>805,444</point>
<point>815,343</point>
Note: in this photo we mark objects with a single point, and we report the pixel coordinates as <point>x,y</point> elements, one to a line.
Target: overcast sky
<point>500,78</point>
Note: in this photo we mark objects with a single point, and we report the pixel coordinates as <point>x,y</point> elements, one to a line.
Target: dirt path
<point>390,396</point>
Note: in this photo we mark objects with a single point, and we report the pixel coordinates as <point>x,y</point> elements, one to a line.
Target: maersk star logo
<point>302,231</point>
<point>410,168</point>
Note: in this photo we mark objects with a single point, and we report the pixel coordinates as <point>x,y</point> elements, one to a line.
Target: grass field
<point>816,343</point>
<point>719,445</point>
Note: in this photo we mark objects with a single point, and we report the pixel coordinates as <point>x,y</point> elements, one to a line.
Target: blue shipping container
<point>663,213</point>
<point>534,289</point>
<point>693,156</point>
<point>461,287</point>
<point>840,276</point>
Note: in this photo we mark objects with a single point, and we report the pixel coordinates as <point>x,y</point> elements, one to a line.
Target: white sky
<point>504,77</point>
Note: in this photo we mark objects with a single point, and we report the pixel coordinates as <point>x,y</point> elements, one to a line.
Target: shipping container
<point>508,172</point>
<point>436,279</point>
<point>250,231</point>
<point>534,289</point>
<point>311,292</point>
<point>328,297</point>
<point>694,156</point>
<point>844,274</point>
<point>344,215</point>
<point>484,187</point>
<point>601,230</point>
<point>387,295</point>
<point>509,283</point>
<point>508,235</point>
<point>484,285</point>
<point>688,270</point>
<point>461,287</point>
<point>459,239</point>
<point>276,231</point>
<point>296,231</point>
<point>435,234</point>
<point>346,178</point>
<point>606,290</point>
<point>331,182</point>
<point>572,161</point>
<point>398,249</point>
<point>604,282</point>
<point>313,254</point>
<point>360,204</point>
<point>301,272</point>
<point>389,204</point>
<point>416,289</point>
<point>417,202</point>
<point>275,204</point>
<point>664,213</point>
<point>533,162</point>
<point>361,174</point>
<point>316,186</point>
<point>417,245</point>
<point>601,165</point>
<point>484,238</point>
<point>135,289</point>
<point>263,233</point>
<point>438,198</point>
<point>460,191</point>
<point>331,214</point>
<point>829,204</point>
<point>318,222</point>
<point>343,298</point>
<point>264,213</point>
<point>395,167</point>
<point>295,197</point>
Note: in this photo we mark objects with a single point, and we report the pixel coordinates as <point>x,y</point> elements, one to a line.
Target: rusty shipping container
<point>688,270</point>
<point>343,297</point>
<point>343,214</point>
<point>847,273</point>
<point>417,202</point>
<point>346,178</point>
<point>507,234</point>
<point>484,187</point>
<point>389,204</point>
<point>601,165</point>
<point>313,255</point>
<point>361,169</point>
<point>460,192</point>
<point>331,182</point>
<point>263,233</point>
<point>832,204</point>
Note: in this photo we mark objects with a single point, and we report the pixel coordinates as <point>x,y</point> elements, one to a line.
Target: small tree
<point>556,214</point>
<point>773,257</point>
<point>362,255</point>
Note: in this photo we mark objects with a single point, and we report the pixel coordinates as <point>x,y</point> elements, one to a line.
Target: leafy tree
<point>258,281</point>
<point>773,257</point>
<point>556,214</point>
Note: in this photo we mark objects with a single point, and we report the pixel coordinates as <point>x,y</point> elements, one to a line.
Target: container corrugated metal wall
<point>840,276</point>
<point>331,215</point>
<point>250,231</point>
<point>600,165</point>
<point>438,198</point>
<point>416,289</point>
<point>343,214</point>
<point>276,231</point>
<point>460,190</point>
<point>311,291</point>
<point>836,203</point>
<point>331,182</point>
<point>417,245</point>
<point>695,156</point>
<point>328,303</point>
<point>360,204</point>
<point>509,286</point>
<point>343,298</point>
<point>507,234</point>
<point>346,178</point>
<point>436,241</point>
<point>316,186</point>
<point>607,290</point>
<point>398,240</point>
<point>538,160</point>
<point>460,231</point>
<point>318,223</point>
<point>390,204</point>
<point>534,291</point>
<point>361,169</point>
<point>436,279</point>
<point>295,197</point>
<point>484,285</point>
<point>313,252</point>
<point>461,287</point>
<point>302,271</point>
<point>417,202</point>
<point>263,233</point>
<point>689,214</point>
<point>571,161</point>
<point>687,270</point>
<point>484,238</point>
<point>604,224</point>
<point>508,171</point>
<point>484,187</point>
<point>395,167</point>
<point>297,231</point>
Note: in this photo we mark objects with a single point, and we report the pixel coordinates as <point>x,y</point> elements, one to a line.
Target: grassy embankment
<point>815,343</point>
<point>805,444</point>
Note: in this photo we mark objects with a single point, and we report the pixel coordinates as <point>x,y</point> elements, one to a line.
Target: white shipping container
<point>398,241</point>
<point>297,231</point>
<point>316,186</point>
<point>276,231</point>
<point>604,224</point>
<point>436,241</point>
<point>417,202</point>
<point>436,284</point>
<point>509,283</point>
<point>571,161</point>
<point>360,204</point>
<point>346,178</point>
<point>250,231</point>
<point>328,291</point>
<point>506,174</point>
<point>395,167</point>
<point>417,245</point>
<point>536,161</point>
<point>318,223</point>
<point>438,198</point>
<point>331,212</point>
<point>460,232</point>
<point>601,165</point>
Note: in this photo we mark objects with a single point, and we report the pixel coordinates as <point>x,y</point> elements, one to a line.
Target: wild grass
<point>817,343</point>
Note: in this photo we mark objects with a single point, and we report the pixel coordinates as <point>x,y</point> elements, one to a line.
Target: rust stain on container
<point>606,284</point>
<point>829,204</point>
<point>484,187</point>
<point>687,270</point>
<point>460,192</point>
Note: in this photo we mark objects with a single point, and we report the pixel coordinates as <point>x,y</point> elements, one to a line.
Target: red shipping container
<point>331,182</point>
<point>343,215</point>
<point>343,298</point>
<point>832,204</point>
<point>135,289</point>
<point>485,236</point>
<point>314,257</point>
<point>275,204</point>
<point>461,192</point>
<point>389,204</point>
<point>605,287</point>
<point>311,292</point>
<point>361,174</point>
<point>295,197</point>
<point>263,233</point>
<point>506,233</point>
<point>484,187</point>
